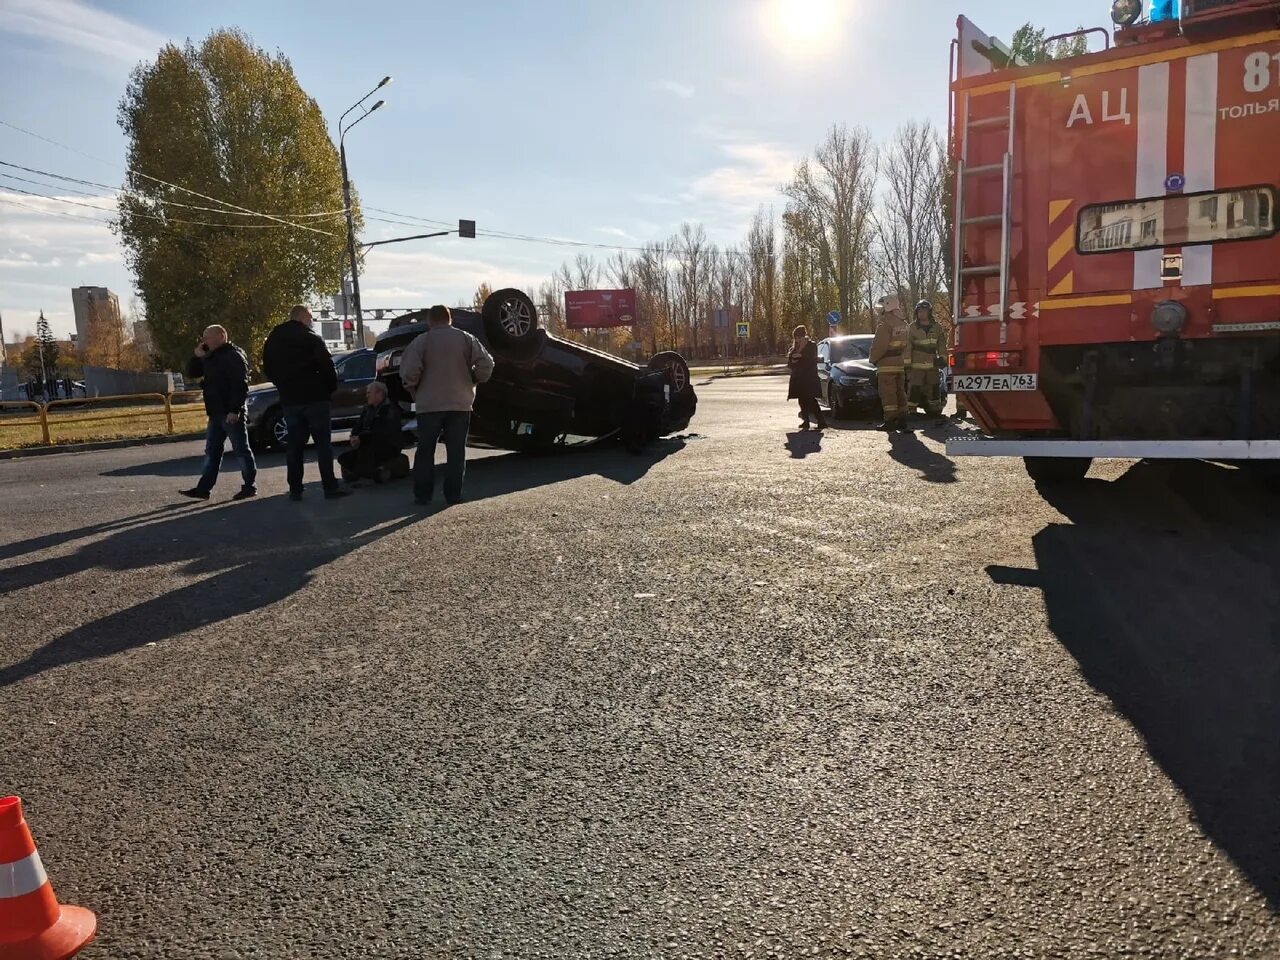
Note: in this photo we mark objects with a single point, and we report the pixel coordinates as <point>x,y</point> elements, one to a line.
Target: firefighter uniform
<point>927,342</point>
<point>889,354</point>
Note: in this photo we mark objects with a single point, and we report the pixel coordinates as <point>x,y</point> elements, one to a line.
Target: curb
<point>100,445</point>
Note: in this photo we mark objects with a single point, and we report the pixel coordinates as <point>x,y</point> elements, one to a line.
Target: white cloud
<point>684,91</point>
<point>616,232</point>
<point>418,279</point>
<point>73,23</point>
<point>43,255</point>
<point>752,176</point>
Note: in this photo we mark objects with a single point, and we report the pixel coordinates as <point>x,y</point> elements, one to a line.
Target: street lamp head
<point>376,105</point>
<point>383,82</point>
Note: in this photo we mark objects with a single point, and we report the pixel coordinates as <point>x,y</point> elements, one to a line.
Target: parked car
<point>267,429</point>
<point>546,391</point>
<point>848,378</point>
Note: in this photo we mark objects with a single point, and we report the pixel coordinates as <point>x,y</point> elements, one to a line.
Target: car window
<point>842,350</point>
<point>359,367</point>
<point>824,351</point>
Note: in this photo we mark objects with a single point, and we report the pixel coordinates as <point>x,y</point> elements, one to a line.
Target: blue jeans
<point>215,439</point>
<point>314,421</point>
<point>453,424</point>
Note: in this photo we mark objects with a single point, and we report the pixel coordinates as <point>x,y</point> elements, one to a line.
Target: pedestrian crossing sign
<point>744,331</point>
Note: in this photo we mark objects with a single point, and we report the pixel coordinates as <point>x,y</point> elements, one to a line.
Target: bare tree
<point>911,223</point>
<point>761,267</point>
<point>691,247</point>
<point>654,291</point>
<point>551,305</point>
<point>832,195</point>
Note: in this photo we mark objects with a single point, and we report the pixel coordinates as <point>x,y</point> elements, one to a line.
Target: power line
<point>148,216</point>
<point>195,193</point>
<point>116,193</point>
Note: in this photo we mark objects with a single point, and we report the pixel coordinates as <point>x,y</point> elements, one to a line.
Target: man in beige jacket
<point>441,369</point>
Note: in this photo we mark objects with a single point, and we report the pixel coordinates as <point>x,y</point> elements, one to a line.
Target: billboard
<point>591,309</point>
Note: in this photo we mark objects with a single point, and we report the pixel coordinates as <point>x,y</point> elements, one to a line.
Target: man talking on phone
<point>225,372</point>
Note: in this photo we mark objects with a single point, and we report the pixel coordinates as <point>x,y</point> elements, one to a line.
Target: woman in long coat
<point>803,361</point>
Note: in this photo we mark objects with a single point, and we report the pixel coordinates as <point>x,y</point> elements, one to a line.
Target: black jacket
<point>296,361</point>
<point>380,426</point>
<point>804,373</point>
<point>226,379</point>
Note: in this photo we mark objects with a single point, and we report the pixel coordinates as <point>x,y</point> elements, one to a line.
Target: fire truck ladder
<point>965,173</point>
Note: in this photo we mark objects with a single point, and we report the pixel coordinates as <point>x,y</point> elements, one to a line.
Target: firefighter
<point>927,343</point>
<point>889,354</point>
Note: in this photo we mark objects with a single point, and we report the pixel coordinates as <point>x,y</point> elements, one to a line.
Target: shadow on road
<point>189,467</point>
<point>801,443</point>
<point>253,554</point>
<point>1164,589</point>
<point>909,451</point>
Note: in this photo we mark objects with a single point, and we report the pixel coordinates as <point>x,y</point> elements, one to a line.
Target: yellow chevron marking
<point>1057,207</point>
<point>1062,246</point>
<point>1068,285</point>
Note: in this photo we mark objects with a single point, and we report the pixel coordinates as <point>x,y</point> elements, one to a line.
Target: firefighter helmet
<point>926,305</point>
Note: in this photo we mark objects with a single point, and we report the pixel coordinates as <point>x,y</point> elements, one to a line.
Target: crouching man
<point>376,441</point>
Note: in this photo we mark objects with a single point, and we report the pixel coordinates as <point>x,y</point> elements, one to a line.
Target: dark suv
<point>267,430</point>
<point>546,391</point>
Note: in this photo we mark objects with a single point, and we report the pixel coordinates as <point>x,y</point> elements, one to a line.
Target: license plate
<point>993,382</point>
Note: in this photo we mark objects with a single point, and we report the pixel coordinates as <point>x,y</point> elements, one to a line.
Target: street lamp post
<point>346,199</point>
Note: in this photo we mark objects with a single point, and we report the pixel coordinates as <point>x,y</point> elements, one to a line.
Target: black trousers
<point>366,458</point>
<point>810,410</point>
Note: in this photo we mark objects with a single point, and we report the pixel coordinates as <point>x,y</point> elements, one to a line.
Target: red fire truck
<point>1117,263</point>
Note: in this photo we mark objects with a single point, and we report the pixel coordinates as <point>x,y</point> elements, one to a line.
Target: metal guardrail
<point>39,408</point>
<point>164,406</point>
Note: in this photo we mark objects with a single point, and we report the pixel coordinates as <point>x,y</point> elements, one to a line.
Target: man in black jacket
<point>376,441</point>
<point>225,371</point>
<point>296,361</point>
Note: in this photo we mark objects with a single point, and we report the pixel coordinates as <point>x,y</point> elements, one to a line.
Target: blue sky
<point>594,121</point>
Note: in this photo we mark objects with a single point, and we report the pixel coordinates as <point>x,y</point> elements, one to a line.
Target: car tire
<point>1056,471</point>
<point>510,317</point>
<point>677,369</point>
<point>273,434</point>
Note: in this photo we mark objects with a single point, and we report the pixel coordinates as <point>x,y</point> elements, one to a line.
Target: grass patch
<point>96,422</point>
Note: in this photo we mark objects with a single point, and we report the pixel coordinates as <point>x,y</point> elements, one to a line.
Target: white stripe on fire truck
<point>1201,155</point>
<point>1153,148</point>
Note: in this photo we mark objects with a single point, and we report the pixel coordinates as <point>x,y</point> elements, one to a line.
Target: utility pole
<point>351,244</point>
<point>346,197</point>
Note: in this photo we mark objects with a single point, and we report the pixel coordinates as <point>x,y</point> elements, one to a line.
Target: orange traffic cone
<point>32,924</point>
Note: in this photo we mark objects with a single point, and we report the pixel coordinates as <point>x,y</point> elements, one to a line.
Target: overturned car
<point>545,391</point>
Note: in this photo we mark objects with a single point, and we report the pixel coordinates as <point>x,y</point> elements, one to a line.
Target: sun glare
<point>806,25</point>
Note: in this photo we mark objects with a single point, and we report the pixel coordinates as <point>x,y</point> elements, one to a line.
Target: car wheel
<point>1050,471</point>
<point>274,432</point>
<point>510,317</point>
<point>677,371</point>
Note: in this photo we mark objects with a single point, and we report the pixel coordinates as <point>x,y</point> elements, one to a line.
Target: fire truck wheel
<point>1048,471</point>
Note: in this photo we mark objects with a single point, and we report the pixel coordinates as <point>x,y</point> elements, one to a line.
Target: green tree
<point>41,358</point>
<point>225,120</point>
<point>1028,45</point>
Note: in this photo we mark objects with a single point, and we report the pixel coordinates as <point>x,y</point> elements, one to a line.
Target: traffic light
<point>348,325</point>
<point>467,229</point>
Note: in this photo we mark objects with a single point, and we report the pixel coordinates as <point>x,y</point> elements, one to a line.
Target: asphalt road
<point>757,694</point>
